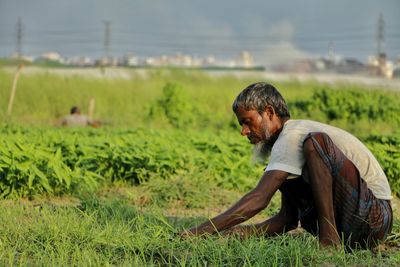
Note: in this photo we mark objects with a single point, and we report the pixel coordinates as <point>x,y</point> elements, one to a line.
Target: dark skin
<point>255,125</point>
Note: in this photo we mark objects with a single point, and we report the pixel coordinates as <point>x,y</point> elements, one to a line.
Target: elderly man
<point>329,181</point>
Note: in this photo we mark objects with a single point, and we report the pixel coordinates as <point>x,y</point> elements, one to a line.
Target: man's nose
<point>245,131</point>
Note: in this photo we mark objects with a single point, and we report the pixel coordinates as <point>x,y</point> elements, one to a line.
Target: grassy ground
<point>127,226</point>
<point>137,225</point>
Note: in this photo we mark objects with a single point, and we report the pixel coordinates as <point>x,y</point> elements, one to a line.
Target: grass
<point>130,225</point>
<point>112,228</point>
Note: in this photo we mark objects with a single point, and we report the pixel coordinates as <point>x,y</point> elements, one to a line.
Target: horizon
<point>272,32</point>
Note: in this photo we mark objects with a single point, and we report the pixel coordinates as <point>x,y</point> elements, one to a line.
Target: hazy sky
<point>271,30</point>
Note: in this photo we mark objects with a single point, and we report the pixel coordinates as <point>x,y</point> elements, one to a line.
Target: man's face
<point>255,126</point>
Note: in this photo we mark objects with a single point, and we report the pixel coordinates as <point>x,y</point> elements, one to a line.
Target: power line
<point>194,43</point>
<point>181,34</point>
<point>121,35</point>
<point>123,40</point>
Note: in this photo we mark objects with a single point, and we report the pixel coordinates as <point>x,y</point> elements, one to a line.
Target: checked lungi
<point>362,220</point>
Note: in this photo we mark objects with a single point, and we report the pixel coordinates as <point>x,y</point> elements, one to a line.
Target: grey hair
<point>257,96</point>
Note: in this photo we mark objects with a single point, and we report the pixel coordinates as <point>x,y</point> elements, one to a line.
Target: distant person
<point>329,181</point>
<point>75,118</point>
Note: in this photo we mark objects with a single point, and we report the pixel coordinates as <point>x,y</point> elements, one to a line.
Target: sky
<point>272,31</point>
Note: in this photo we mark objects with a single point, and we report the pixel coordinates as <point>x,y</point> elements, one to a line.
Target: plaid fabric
<point>361,218</point>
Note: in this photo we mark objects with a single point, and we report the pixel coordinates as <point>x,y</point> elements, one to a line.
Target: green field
<point>169,155</point>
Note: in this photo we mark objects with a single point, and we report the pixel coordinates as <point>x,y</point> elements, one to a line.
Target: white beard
<point>262,150</point>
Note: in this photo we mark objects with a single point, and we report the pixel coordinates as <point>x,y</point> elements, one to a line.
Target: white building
<point>244,59</point>
<point>130,60</point>
<point>380,66</point>
<point>80,61</point>
<point>52,56</point>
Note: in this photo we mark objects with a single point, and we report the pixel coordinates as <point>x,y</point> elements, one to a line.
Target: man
<point>329,181</point>
<point>77,119</point>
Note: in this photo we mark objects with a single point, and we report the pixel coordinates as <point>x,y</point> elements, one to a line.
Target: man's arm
<point>284,221</point>
<point>248,206</point>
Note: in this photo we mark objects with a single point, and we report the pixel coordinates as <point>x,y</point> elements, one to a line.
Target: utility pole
<point>107,36</point>
<point>381,35</point>
<point>19,38</point>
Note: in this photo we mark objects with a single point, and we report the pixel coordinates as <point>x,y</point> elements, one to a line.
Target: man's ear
<point>270,111</point>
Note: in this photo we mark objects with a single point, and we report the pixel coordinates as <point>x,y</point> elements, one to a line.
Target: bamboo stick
<point>91,108</point>
<point>13,90</point>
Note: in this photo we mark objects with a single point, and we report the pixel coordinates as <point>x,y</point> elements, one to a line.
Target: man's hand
<point>242,231</point>
<point>195,231</point>
<point>188,233</point>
